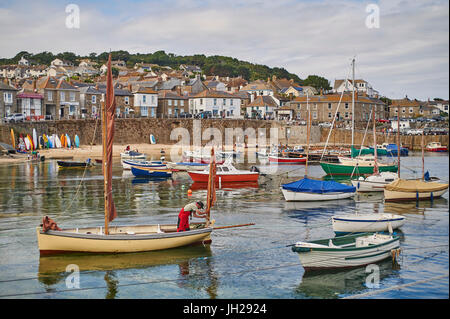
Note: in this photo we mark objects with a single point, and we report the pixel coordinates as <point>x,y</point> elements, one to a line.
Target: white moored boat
<point>371,222</point>
<point>375,182</point>
<point>346,251</point>
<point>132,155</point>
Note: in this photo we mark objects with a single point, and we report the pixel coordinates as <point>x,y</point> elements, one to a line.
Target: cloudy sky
<point>407,54</point>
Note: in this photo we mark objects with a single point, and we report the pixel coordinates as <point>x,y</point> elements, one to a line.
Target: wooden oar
<point>232,226</point>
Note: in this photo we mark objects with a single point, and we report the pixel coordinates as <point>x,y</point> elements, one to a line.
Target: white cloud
<point>408,54</point>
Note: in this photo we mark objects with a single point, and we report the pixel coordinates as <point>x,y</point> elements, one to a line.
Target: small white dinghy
<point>346,251</point>
<point>370,222</point>
<point>375,182</point>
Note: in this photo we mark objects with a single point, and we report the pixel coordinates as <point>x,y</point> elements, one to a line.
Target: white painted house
<point>220,104</point>
<point>145,102</point>
<point>361,86</point>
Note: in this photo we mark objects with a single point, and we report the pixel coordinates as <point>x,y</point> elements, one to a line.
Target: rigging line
<point>362,143</point>
<point>84,171</point>
<point>370,293</point>
<point>334,118</point>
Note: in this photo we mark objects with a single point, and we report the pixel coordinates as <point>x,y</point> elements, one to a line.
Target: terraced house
<point>171,104</point>
<point>8,103</point>
<point>220,104</point>
<point>61,99</point>
<point>412,108</point>
<point>324,107</point>
<point>90,101</point>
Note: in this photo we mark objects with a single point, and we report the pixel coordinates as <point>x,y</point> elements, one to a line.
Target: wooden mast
<point>104,163</point>
<point>308,132</point>
<point>375,168</point>
<point>423,155</point>
<point>398,140</point>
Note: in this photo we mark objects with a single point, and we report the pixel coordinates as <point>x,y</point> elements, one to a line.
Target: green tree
<point>317,82</point>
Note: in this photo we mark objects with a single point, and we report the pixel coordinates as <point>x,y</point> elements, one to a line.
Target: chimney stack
<point>34,86</point>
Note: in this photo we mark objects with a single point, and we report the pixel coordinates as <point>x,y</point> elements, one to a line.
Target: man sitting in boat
<point>186,212</point>
<point>128,148</point>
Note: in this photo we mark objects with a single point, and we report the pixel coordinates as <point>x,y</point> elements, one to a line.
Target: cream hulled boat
<point>120,239</point>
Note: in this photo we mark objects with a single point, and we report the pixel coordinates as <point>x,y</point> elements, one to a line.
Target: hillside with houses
<point>71,87</point>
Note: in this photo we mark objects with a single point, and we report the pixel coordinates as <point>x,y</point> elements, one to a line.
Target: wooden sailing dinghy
<point>346,251</point>
<point>119,239</point>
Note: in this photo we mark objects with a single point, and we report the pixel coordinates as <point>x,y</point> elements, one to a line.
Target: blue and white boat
<point>307,189</point>
<point>151,172</point>
<point>127,164</point>
<point>370,222</point>
<point>392,150</point>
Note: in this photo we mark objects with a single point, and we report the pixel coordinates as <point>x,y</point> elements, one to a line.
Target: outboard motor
<point>254,169</point>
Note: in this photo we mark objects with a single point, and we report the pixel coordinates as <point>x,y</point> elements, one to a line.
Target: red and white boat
<point>287,160</point>
<point>436,147</point>
<point>224,174</point>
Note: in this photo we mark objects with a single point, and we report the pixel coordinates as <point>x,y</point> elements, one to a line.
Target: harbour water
<point>247,262</point>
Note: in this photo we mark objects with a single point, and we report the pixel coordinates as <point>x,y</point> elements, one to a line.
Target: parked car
<point>185,115</point>
<point>414,132</point>
<point>204,115</point>
<point>15,117</point>
<point>325,124</point>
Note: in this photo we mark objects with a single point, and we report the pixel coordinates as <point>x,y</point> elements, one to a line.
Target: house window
<point>346,115</point>
<point>94,110</point>
<point>315,115</point>
<point>72,96</point>
<point>175,102</point>
<point>7,97</point>
<point>403,110</point>
<point>94,99</point>
<point>62,96</point>
<point>201,101</point>
<point>346,105</point>
<point>117,111</point>
<point>127,100</point>
<point>169,111</point>
<point>215,101</point>
<point>153,99</point>
<point>315,106</point>
<point>71,109</point>
<point>231,102</point>
<point>144,98</point>
<point>330,115</point>
<point>50,96</point>
<point>181,102</point>
<point>329,106</point>
<point>224,102</point>
<point>144,111</point>
<point>411,110</point>
<point>169,102</point>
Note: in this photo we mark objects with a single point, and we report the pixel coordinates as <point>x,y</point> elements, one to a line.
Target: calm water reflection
<point>251,262</point>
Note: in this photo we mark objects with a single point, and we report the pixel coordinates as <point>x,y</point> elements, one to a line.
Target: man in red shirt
<point>186,212</point>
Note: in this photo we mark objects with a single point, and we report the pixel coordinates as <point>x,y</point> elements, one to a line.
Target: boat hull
<point>150,172</point>
<point>287,160</point>
<point>437,149</point>
<point>291,196</point>
<point>127,164</point>
<point>119,240</point>
<point>75,165</point>
<point>347,170</point>
<point>201,177</point>
<point>329,258</point>
<point>394,196</point>
<point>358,224</point>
